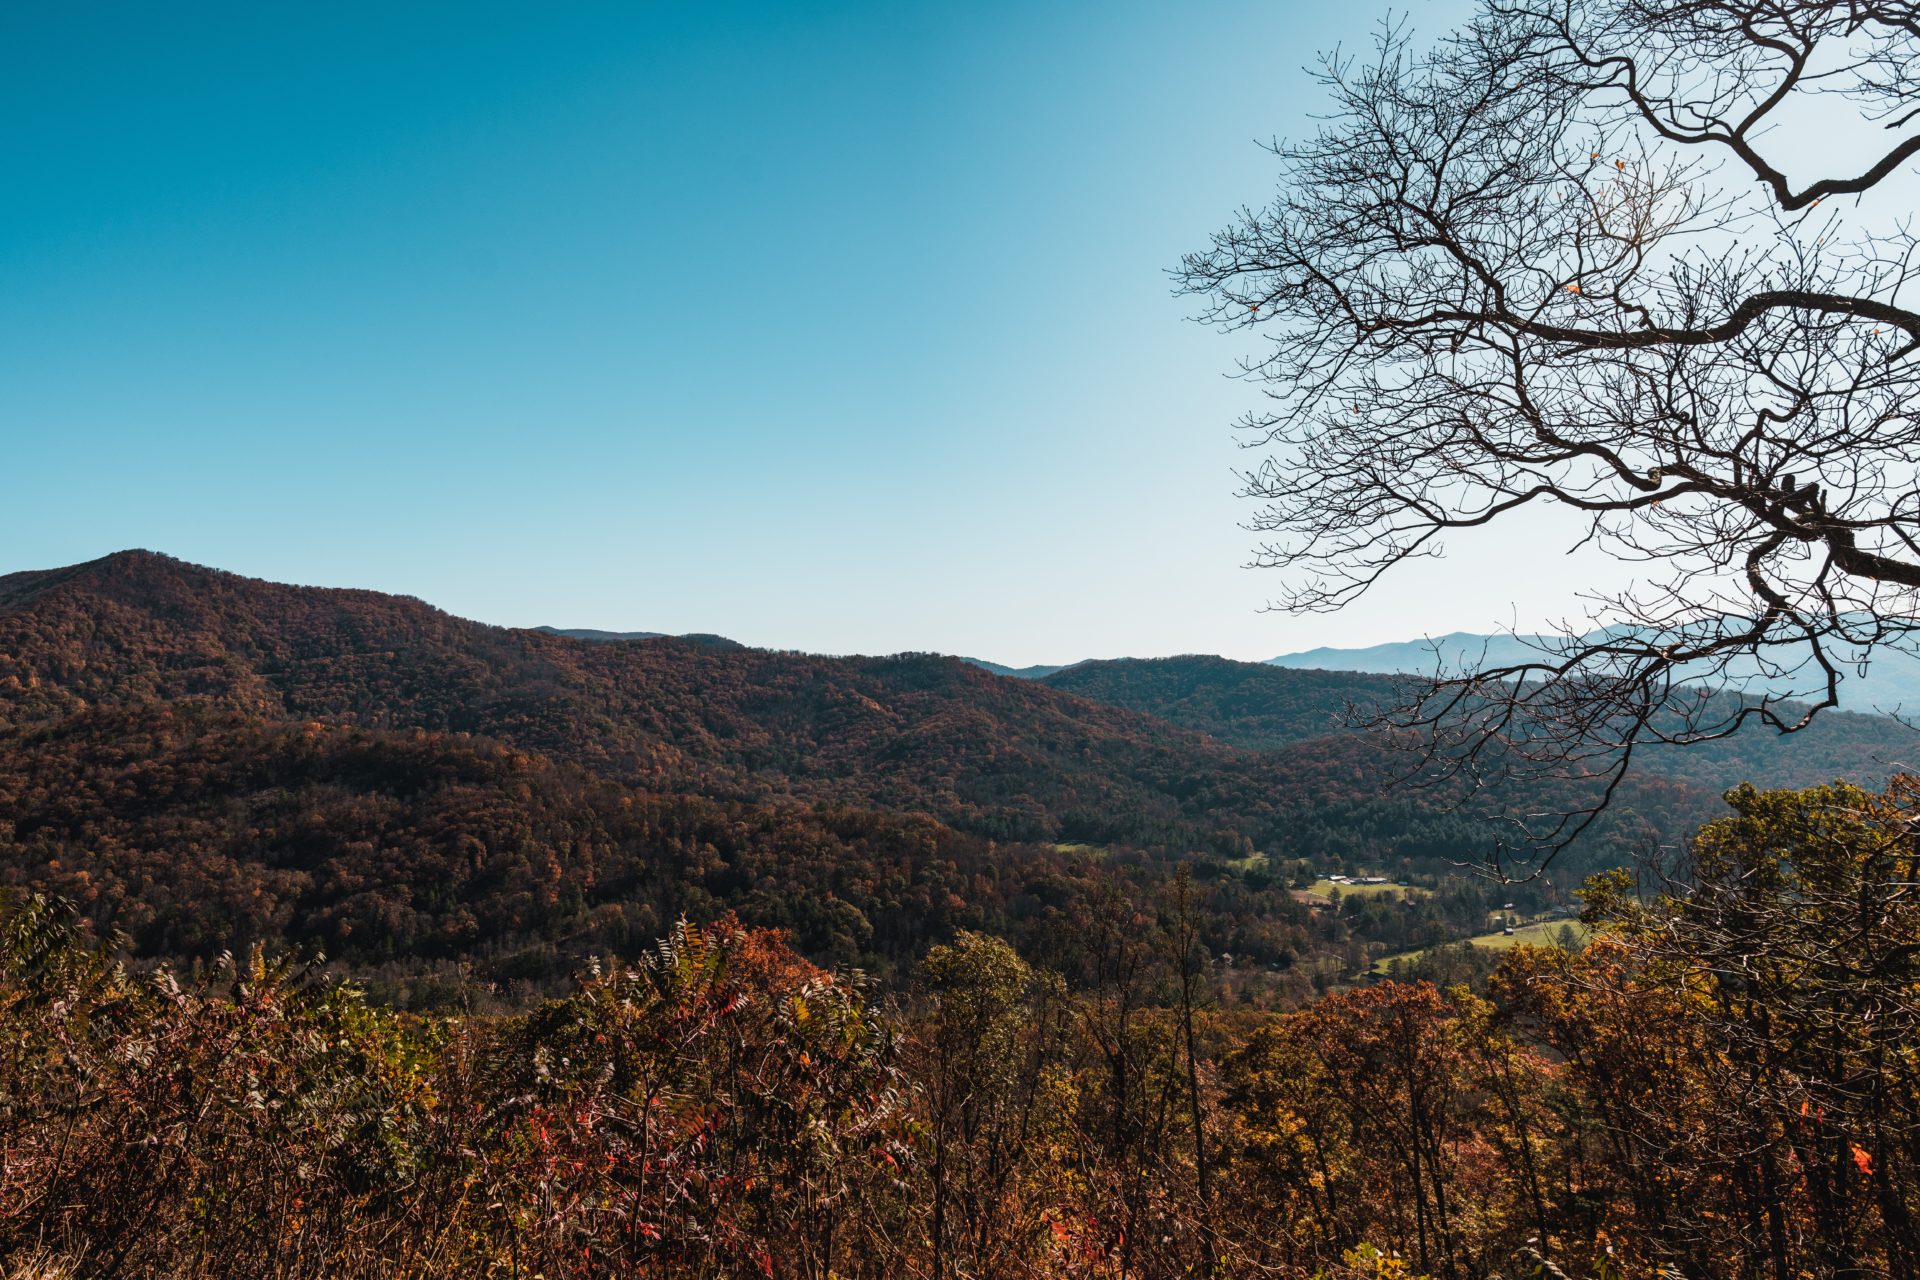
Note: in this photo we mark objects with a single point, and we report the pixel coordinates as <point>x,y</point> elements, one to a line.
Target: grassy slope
<point>1543,933</point>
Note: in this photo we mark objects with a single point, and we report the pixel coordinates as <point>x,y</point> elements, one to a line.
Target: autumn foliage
<point>1721,1084</point>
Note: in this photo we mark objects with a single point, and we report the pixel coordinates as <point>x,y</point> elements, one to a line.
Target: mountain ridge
<point>1196,752</point>
<point>1006,758</point>
<point>1890,683</point>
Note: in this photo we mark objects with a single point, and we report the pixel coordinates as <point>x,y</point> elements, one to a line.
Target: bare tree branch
<point>1524,270</point>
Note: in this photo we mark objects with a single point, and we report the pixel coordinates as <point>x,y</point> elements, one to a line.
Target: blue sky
<point>841,327</point>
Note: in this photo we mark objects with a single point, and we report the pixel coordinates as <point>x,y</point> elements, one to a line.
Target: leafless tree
<point>1616,257</point>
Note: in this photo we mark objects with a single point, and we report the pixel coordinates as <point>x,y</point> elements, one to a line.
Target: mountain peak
<point>136,557</point>
<point>120,566</point>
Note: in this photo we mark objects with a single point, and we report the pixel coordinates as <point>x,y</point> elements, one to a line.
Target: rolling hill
<point>1247,704</point>
<point>1265,708</point>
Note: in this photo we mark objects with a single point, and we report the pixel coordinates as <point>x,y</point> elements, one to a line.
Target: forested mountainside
<point>204,760</point>
<point>193,831</point>
<point>1246,704</point>
<point>1007,759</point>
<point>1263,708</point>
<point>918,732</point>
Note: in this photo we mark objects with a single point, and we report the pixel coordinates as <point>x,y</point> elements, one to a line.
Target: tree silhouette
<point>1584,254</point>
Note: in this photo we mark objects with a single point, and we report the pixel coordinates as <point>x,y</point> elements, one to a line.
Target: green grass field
<point>1546,933</point>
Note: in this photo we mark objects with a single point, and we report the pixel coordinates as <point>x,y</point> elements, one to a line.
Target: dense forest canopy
<point>1696,1092</point>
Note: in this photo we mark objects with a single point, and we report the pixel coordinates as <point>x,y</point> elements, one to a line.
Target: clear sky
<point>834,326</point>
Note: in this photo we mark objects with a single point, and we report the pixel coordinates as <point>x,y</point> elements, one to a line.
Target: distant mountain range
<point>1889,684</point>
<point>1018,673</point>
<point>589,633</point>
<point>721,642</point>
<point>704,639</point>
